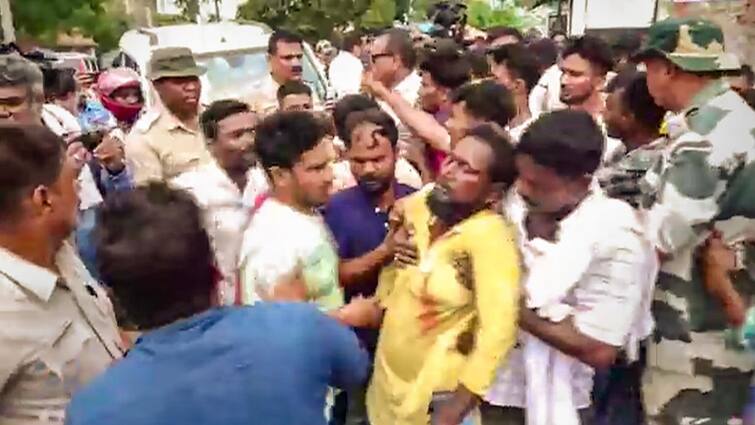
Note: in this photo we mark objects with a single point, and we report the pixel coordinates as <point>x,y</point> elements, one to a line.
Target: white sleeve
<point>609,298</point>
<point>266,259</point>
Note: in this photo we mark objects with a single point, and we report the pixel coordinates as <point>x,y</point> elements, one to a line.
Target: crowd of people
<point>524,230</point>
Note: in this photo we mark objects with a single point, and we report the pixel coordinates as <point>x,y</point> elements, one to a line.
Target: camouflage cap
<point>694,45</point>
<point>173,62</point>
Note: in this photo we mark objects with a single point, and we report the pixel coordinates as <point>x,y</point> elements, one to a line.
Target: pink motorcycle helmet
<point>116,79</point>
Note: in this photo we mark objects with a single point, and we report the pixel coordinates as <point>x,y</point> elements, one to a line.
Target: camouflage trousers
<point>723,404</point>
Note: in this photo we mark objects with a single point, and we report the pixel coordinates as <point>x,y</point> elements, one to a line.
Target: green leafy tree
<point>43,20</point>
<point>318,19</point>
<point>506,13</point>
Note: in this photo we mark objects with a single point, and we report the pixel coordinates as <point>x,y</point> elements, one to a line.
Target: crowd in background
<point>512,230</point>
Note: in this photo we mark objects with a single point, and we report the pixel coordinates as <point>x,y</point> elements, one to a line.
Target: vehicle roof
<point>200,38</point>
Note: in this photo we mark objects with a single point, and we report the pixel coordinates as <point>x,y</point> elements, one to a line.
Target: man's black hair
<point>218,111</point>
<point>503,31</point>
<point>748,74</point>
<point>503,168</point>
<point>284,137</point>
<point>478,62</point>
<point>545,51</point>
<point>487,100</point>
<point>347,105</point>
<point>636,99</point>
<point>592,49</point>
<point>621,80</point>
<point>153,251</point>
<point>30,156</point>
<point>283,36</point>
<point>555,33</point>
<point>447,67</point>
<point>628,43</point>
<point>293,87</point>
<point>749,97</point>
<point>351,40</point>
<point>400,43</point>
<point>375,116</point>
<point>569,142</point>
<point>520,63</point>
<point>58,82</point>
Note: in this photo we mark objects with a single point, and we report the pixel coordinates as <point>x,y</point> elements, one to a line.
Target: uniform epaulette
<point>146,121</point>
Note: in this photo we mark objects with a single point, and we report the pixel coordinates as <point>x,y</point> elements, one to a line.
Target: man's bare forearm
<point>567,339</point>
<point>355,270</point>
<point>421,123</point>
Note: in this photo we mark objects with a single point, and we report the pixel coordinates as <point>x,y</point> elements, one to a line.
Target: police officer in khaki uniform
<point>57,327</point>
<point>166,141</point>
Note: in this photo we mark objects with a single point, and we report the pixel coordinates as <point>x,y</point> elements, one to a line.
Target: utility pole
<point>6,18</point>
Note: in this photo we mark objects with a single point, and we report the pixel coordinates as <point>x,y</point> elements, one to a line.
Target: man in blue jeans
<point>271,363</point>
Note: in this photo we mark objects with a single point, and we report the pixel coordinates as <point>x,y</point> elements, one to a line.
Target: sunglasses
<point>377,56</point>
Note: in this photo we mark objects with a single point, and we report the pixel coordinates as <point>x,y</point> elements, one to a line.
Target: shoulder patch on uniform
<point>705,119</point>
<point>146,121</point>
<point>692,175</point>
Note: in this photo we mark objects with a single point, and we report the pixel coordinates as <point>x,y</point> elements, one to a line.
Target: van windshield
<point>236,75</point>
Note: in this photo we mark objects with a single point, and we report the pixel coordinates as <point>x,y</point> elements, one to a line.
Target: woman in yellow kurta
<point>451,318</point>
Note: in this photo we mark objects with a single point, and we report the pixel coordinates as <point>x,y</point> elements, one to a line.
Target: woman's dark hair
<point>568,142</point>
<point>153,251</point>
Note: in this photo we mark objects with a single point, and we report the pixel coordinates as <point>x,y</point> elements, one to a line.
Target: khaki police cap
<point>173,62</point>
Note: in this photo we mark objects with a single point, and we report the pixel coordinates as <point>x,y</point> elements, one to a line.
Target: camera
<point>449,18</point>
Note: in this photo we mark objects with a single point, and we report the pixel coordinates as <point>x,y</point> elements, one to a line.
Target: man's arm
<point>565,337</point>
<point>608,304</point>
<point>687,202</point>
<point>357,269</point>
<point>421,123</point>
<point>349,362</point>
<point>717,262</point>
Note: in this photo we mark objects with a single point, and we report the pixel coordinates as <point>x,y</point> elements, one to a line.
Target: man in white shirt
<point>284,55</point>
<point>392,61</point>
<point>287,239</point>
<point>584,67</point>
<point>589,282</point>
<point>346,70</point>
<point>226,188</point>
<point>517,69</point>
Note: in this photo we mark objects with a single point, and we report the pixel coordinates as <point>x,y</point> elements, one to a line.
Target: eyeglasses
<point>377,56</point>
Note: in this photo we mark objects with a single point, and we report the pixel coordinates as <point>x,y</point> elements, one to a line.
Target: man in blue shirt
<point>271,363</point>
<point>358,219</point>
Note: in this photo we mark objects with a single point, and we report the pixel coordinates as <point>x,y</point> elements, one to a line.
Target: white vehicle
<point>235,56</point>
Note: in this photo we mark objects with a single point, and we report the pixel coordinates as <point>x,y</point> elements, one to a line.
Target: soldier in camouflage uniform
<point>705,178</point>
<point>632,117</point>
